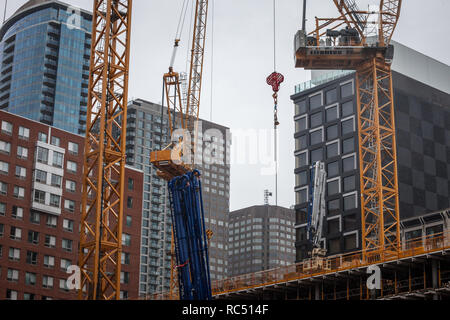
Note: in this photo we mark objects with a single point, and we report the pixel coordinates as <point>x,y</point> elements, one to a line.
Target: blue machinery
<point>185,194</point>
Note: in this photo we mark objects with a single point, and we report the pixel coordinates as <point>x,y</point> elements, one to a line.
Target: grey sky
<point>243,58</point>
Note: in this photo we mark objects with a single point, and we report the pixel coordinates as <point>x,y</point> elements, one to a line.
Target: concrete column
<point>434,277</point>
<point>317,295</point>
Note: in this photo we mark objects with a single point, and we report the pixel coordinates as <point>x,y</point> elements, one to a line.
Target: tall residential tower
<point>44,64</point>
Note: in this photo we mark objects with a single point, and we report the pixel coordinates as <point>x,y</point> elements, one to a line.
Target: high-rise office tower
<point>327,130</point>
<point>260,238</point>
<point>45,57</point>
<point>148,131</point>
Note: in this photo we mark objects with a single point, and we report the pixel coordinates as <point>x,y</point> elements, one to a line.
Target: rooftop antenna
<point>304,16</point>
<point>4,13</point>
<point>267,194</point>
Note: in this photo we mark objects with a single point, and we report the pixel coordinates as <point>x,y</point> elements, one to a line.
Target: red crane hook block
<point>274,80</point>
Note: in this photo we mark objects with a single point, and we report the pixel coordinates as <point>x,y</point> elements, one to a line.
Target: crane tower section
<point>104,154</point>
<point>342,43</point>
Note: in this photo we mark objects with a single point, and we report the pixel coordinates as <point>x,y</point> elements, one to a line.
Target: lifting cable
<point>275,80</point>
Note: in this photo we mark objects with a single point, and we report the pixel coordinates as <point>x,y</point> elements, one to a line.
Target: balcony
<point>321,80</point>
<point>47,100</point>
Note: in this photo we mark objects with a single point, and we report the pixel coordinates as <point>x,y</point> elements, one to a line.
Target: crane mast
<point>104,155</point>
<point>175,164</point>
<point>331,47</point>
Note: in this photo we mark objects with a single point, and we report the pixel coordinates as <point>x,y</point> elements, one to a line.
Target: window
<point>55,200</point>
<point>40,176</point>
<point>349,163</point>
<point>52,221</point>
<point>126,239</point>
<point>47,282</point>
<point>19,192</point>
<point>315,101</point>
<point>331,96</point>
<point>2,209</point>
<point>13,275</point>
<point>300,143</point>
<point>333,226</point>
<point>71,166</point>
<point>42,137</point>
<point>301,159</point>
<point>350,202</point>
<point>63,285</point>
<point>56,181</point>
<point>15,233</point>
<point>332,113</point>
<point>5,147</point>
<point>33,237</point>
<point>302,196</point>
<point>14,254</point>
<point>301,124</point>
<point>22,152</point>
<point>50,241</point>
<point>301,178</point>
<point>350,222</point>
<point>71,186</point>
<point>334,207</point>
<point>4,167</point>
<point>348,145</point>
<point>49,261</point>
<point>21,172</point>
<point>35,217</point>
<point>316,137</point>
<point>128,221</point>
<point>65,264</point>
<point>347,89</point>
<point>347,109</point>
<point>130,184</point>
<point>124,277</point>
<point>300,108</point>
<point>316,120</point>
<point>68,225</point>
<point>129,202</point>
<point>3,188</point>
<point>333,149</point>
<point>348,126</point>
<point>11,294</point>
<point>42,155</point>
<point>32,257</point>
<point>332,132</point>
<point>350,242</point>
<point>30,279</point>
<point>73,148</point>
<point>69,205</point>
<point>55,141</point>
<point>58,159</point>
<point>334,187</point>
<point>334,246</point>
<point>39,196</point>
<point>316,155</point>
<point>125,258</point>
<point>24,133</point>
<point>349,183</point>
<point>7,127</point>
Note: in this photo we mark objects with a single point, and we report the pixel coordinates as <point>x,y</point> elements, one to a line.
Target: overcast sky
<point>243,58</point>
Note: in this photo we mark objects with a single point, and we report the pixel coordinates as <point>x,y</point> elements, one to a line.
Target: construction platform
<point>420,271</point>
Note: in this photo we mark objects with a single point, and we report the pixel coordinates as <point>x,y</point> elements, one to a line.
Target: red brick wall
<point>56,272</point>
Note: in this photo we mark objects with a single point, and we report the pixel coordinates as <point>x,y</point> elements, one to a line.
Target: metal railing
<point>332,264</point>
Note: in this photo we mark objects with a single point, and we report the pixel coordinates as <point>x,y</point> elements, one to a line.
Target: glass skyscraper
<point>45,57</point>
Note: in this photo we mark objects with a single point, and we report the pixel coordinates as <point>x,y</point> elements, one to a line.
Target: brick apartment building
<point>40,205</point>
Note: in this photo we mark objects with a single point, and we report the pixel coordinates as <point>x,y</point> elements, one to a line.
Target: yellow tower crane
<point>351,42</point>
<point>179,156</point>
<point>104,154</point>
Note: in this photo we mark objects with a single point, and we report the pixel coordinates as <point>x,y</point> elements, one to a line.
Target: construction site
<point>371,219</point>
